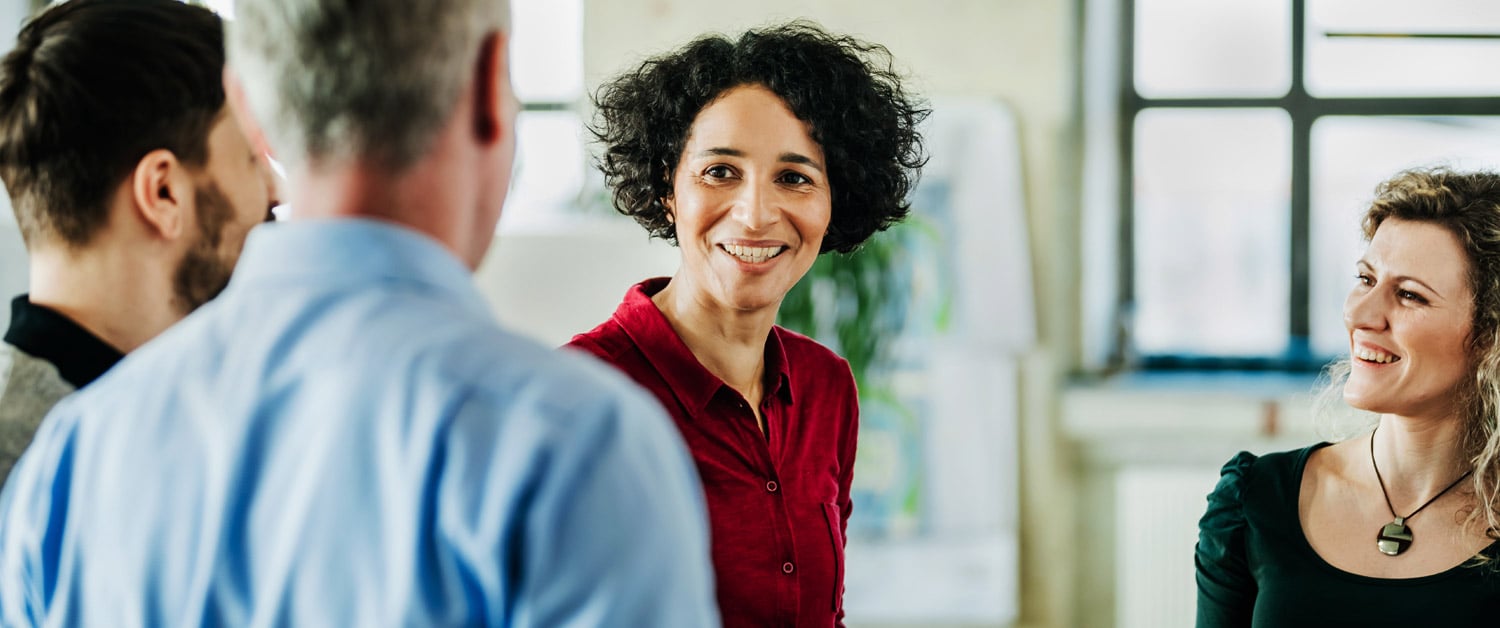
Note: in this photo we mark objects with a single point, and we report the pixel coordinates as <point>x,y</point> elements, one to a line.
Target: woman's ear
<point>161,193</point>
<point>667,203</point>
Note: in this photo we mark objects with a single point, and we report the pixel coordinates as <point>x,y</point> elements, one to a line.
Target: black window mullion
<point>1209,103</point>
<point>1300,334</point>
<point>1130,104</point>
<point>542,105</point>
<point>1318,107</point>
<point>1449,106</point>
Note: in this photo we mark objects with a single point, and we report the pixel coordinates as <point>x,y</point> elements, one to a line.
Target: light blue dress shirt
<point>346,438</point>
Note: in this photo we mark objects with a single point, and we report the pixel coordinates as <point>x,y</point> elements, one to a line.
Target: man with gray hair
<point>344,437</point>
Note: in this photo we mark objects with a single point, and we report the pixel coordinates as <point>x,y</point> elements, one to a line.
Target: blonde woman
<point>1398,525</point>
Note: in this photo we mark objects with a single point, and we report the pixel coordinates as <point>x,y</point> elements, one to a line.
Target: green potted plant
<point>861,305</point>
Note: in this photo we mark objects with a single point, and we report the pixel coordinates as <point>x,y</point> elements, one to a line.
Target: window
<point>547,73</point>
<point>1247,139</point>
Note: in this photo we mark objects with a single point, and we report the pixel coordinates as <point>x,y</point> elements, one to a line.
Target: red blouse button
<point>771,486</point>
<point>786,568</point>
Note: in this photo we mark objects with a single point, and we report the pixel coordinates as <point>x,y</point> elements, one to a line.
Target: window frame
<point>1304,110</point>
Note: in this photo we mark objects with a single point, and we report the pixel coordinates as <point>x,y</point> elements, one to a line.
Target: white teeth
<point>1371,355</point>
<point>752,254</point>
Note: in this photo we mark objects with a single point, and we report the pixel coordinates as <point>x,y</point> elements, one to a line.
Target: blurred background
<point>1127,262</point>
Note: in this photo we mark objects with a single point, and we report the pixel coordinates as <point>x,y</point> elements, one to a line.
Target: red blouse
<point>778,503</point>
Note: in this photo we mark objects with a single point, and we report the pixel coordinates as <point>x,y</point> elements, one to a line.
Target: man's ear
<point>161,193</point>
<point>492,90</point>
<point>239,106</point>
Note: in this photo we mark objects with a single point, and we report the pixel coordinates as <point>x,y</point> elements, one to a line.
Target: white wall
<point>551,285</point>
<point>13,266</point>
<point>12,253</point>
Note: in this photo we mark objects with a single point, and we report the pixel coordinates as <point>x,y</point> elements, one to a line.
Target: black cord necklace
<point>1395,536</point>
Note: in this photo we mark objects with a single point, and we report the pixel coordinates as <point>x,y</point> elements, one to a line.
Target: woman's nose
<point>1364,309</point>
<point>754,208</point>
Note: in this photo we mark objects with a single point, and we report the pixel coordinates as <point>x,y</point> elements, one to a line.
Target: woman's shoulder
<point>806,350</point>
<point>1247,477</point>
<point>1280,463</point>
<point>605,341</point>
<point>1234,476</point>
<point>611,338</point>
<point>1245,468</point>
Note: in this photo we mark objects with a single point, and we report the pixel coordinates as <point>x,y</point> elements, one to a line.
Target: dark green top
<point>1256,568</point>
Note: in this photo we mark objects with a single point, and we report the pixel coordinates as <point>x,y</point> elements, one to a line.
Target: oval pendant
<point>1394,537</point>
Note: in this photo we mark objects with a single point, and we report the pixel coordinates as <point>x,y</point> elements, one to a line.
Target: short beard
<point>204,272</point>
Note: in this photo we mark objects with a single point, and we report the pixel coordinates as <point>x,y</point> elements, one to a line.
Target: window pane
<point>225,8</point>
<point>1186,48</point>
<point>1212,198</point>
<point>1350,156</point>
<point>1344,65</point>
<point>549,167</point>
<point>547,49</point>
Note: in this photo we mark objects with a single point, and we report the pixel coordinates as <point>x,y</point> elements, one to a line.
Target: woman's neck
<point>1419,457</point>
<point>731,344</point>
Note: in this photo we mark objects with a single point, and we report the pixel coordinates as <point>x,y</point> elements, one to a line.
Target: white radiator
<point>1156,526</point>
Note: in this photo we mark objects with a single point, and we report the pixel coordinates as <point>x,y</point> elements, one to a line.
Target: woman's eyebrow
<point>1400,278</point>
<point>798,158</point>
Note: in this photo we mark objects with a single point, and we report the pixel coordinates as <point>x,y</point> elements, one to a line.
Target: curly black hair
<point>845,89</point>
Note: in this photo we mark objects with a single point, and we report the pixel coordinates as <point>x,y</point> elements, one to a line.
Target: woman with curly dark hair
<point>754,156</point>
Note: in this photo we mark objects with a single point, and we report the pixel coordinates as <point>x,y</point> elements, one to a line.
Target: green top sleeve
<point>1226,588</point>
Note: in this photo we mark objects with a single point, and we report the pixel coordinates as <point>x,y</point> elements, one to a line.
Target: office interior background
<point>1127,262</point>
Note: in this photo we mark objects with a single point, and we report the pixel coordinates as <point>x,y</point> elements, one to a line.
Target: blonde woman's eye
<point>1410,296</point>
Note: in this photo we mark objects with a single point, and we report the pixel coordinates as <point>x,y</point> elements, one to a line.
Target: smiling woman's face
<point>750,201</point>
<point>1409,317</point>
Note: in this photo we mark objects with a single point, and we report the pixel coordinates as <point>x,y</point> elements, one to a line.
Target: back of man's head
<point>91,87</point>
<point>336,81</point>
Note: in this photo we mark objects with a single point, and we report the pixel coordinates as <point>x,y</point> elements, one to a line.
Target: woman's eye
<point>1407,295</point>
<point>1365,279</point>
<point>718,172</point>
<point>795,178</point>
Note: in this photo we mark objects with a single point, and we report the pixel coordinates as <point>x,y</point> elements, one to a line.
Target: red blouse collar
<point>693,384</point>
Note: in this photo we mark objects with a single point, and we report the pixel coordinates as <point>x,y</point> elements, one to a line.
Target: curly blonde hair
<point>1467,204</point>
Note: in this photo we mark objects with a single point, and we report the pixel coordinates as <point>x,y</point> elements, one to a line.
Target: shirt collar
<point>693,384</point>
<point>80,356</point>
<point>351,251</point>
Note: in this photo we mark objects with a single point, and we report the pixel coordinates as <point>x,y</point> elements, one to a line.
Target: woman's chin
<point>750,294</point>
<point>1361,398</point>
<point>750,304</point>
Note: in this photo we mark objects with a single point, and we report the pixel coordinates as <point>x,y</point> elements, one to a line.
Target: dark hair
<point>1467,204</point>
<point>90,88</point>
<point>844,89</point>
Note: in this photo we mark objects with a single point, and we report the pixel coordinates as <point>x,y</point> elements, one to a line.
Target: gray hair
<point>374,81</point>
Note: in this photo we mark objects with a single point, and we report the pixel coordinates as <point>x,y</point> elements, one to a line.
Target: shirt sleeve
<point>1226,589</point>
<point>846,480</point>
<point>17,597</point>
<point>602,525</point>
<point>33,514</point>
